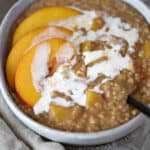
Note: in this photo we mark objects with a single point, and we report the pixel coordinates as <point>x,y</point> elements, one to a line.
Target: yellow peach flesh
<point>147,50</point>
<point>61,113</point>
<point>24,43</point>
<point>92,98</point>
<point>43,17</point>
<point>23,78</point>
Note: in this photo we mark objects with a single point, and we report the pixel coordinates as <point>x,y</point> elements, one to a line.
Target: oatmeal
<point>81,69</point>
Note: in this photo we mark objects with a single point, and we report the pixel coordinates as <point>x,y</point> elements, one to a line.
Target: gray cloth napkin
<point>15,136</point>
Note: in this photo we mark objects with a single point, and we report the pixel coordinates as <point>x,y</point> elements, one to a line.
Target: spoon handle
<point>143,108</point>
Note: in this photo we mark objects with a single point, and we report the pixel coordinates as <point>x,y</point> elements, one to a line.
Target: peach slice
<point>27,41</point>
<point>43,17</point>
<point>61,113</point>
<point>24,78</point>
<point>93,97</point>
<point>147,50</point>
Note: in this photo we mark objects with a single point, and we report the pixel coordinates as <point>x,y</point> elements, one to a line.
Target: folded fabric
<point>15,136</point>
<point>8,139</point>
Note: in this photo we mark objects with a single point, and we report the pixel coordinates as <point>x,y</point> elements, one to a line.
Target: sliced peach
<point>93,97</point>
<point>31,39</point>
<point>61,113</point>
<point>43,17</point>
<point>147,50</point>
<point>23,79</point>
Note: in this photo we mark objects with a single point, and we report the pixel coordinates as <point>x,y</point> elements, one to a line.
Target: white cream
<point>91,56</point>
<point>79,37</point>
<point>72,83</point>
<point>116,28</point>
<point>39,68</point>
<point>123,30</point>
<point>50,32</point>
<point>97,89</point>
<point>81,21</point>
<point>66,53</point>
<point>62,102</point>
<point>111,67</point>
<point>57,83</point>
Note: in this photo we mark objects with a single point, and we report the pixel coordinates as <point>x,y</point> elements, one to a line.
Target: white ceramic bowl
<point>56,135</point>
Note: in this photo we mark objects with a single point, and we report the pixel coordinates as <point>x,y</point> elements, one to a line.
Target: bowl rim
<point>74,135</point>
